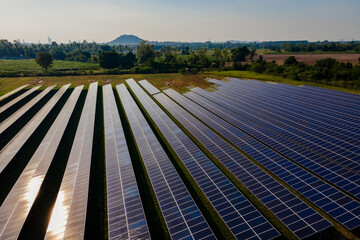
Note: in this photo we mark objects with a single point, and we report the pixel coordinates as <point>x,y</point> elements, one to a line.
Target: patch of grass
<point>267,77</point>
<point>29,65</point>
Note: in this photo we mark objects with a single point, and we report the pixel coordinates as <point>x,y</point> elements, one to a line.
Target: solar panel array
<point>335,203</point>
<point>338,175</point>
<point>12,92</point>
<point>10,150</point>
<point>126,218</point>
<point>15,116</point>
<point>19,201</point>
<point>238,213</point>
<point>19,98</point>
<point>334,137</point>
<point>69,213</point>
<point>294,213</point>
<point>291,147</point>
<point>181,214</point>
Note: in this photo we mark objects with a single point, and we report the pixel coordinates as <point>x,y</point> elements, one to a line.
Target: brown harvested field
<point>311,58</point>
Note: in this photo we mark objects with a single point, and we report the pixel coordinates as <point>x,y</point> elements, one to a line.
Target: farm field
<point>311,58</point>
<point>167,159</point>
<point>31,66</point>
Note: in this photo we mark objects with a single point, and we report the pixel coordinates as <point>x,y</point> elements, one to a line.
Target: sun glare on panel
<point>58,220</point>
<point>32,190</point>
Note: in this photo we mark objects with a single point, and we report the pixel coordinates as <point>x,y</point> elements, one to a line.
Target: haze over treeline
<point>198,21</point>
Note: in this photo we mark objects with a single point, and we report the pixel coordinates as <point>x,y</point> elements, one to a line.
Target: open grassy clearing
<point>29,65</point>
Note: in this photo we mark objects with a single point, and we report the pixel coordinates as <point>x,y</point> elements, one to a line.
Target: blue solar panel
<point>180,212</point>
<point>126,217</point>
<point>285,125</point>
<point>320,193</point>
<point>236,211</point>
<point>330,171</point>
<point>276,197</point>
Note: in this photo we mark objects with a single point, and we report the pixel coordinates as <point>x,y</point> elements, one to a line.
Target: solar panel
<point>17,205</point>
<point>16,100</point>
<point>12,92</point>
<point>126,217</point>
<point>151,89</point>
<point>15,116</point>
<point>304,133</point>
<point>330,171</point>
<point>10,150</point>
<point>278,199</point>
<point>182,216</point>
<point>237,212</point>
<point>69,214</point>
<point>343,208</point>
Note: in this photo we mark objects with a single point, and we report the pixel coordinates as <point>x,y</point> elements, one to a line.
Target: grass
<point>29,65</point>
<point>267,77</point>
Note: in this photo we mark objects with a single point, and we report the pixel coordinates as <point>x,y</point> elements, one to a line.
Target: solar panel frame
<point>313,188</point>
<point>167,184</point>
<point>17,205</point>
<point>203,170</point>
<point>120,178</point>
<point>15,116</point>
<point>73,193</point>
<point>13,91</point>
<point>12,147</point>
<point>19,98</point>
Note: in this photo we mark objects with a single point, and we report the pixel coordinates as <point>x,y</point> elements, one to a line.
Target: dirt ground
<point>311,58</point>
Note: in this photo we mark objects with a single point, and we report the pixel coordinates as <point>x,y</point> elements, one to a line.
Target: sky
<point>180,20</point>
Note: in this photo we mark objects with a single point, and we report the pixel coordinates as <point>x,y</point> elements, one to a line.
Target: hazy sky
<point>180,20</point>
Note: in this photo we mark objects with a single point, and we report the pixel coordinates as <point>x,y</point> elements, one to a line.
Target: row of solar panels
<point>126,218</point>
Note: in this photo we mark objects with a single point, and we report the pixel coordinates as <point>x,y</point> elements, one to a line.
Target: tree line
<point>90,51</point>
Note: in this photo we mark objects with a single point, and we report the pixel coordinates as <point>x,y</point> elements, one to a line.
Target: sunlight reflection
<point>58,219</point>
<point>32,190</point>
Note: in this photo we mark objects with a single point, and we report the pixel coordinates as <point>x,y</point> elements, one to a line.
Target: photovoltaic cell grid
<point>340,149</point>
<point>126,218</point>
<point>69,214</point>
<point>150,88</point>
<point>12,92</point>
<point>308,114</point>
<point>330,171</point>
<point>182,216</point>
<point>19,98</point>
<point>10,150</point>
<point>243,219</point>
<point>19,201</point>
<point>295,214</point>
<point>272,121</point>
<point>15,116</point>
<point>338,205</point>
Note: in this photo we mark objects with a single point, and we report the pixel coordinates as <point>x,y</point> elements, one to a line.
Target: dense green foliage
<point>44,59</point>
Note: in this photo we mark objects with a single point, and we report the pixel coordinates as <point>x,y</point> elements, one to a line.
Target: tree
<point>109,59</point>
<point>57,54</point>
<point>290,61</point>
<point>127,61</point>
<point>44,59</point>
<point>239,54</point>
<point>146,52</point>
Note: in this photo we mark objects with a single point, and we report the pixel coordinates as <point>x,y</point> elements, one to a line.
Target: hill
<point>126,39</point>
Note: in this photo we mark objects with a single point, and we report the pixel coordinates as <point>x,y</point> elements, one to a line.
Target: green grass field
<point>29,65</point>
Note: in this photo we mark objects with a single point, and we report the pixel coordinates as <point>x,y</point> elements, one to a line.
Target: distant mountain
<point>125,40</point>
